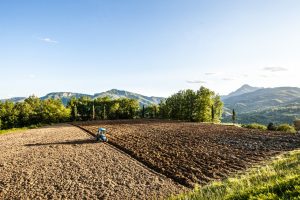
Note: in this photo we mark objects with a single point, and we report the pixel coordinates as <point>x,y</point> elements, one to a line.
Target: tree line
<point>103,108</point>
<point>202,105</point>
<point>32,111</point>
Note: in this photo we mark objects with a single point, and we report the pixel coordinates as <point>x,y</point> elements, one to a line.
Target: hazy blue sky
<point>153,47</point>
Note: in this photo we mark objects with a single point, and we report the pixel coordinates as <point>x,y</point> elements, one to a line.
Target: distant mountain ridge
<point>264,105</point>
<point>242,90</point>
<point>252,104</point>
<point>14,99</point>
<point>114,94</point>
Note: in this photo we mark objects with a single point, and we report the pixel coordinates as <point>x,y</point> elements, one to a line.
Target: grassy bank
<point>12,130</point>
<point>278,179</point>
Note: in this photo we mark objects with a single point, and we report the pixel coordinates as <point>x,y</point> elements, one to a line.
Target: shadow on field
<point>87,141</point>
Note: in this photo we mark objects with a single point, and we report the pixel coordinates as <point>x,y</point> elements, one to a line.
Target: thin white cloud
<point>210,73</point>
<point>275,69</point>
<point>195,82</point>
<point>263,76</point>
<point>48,40</point>
<point>227,79</point>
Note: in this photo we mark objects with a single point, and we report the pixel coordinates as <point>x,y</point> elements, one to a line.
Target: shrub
<point>297,124</point>
<point>286,128</point>
<point>271,127</point>
<point>255,126</point>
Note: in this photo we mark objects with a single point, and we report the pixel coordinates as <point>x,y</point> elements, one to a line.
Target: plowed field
<point>63,162</point>
<point>194,152</point>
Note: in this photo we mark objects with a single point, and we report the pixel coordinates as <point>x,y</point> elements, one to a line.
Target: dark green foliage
<point>271,127</point>
<point>233,116</point>
<point>212,113</point>
<point>103,108</point>
<point>297,124</point>
<point>143,111</point>
<point>192,106</point>
<point>74,112</point>
<point>278,115</point>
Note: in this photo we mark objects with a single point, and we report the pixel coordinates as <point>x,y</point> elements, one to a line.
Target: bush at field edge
<point>255,126</point>
<point>286,128</point>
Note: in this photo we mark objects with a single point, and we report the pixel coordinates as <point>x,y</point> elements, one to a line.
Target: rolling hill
<point>114,94</point>
<point>242,90</point>
<point>264,105</point>
<point>14,99</point>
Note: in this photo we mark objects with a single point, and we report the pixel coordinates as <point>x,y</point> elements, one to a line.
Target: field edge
<point>277,178</point>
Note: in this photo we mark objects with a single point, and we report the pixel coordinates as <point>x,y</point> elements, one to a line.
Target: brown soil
<point>63,162</point>
<point>192,152</point>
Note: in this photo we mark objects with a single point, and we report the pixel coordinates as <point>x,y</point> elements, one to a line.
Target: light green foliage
<point>192,106</point>
<point>218,107</point>
<point>282,127</point>
<point>9,115</point>
<point>54,111</point>
<point>32,111</point>
<point>286,128</point>
<point>255,126</point>
<point>12,130</point>
<point>203,104</point>
<point>278,179</point>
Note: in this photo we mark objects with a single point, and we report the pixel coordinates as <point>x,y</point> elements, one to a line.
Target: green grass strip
<point>13,130</point>
<point>277,179</point>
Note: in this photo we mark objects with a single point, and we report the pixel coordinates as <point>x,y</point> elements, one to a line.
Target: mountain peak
<point>242,90</point>
<point>246,86</point>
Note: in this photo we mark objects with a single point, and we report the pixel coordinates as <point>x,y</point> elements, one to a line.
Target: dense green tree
<point>36,112</point>
<point>104,108</point>
<point>114,110</point>
<point>54,111</point>
<point>84,108</point>
<point>73,106</point>
<point>218,108</point>
<point>25,113</point>
<point>233,116</point>
<point>143,111</point>
<point>202,106</point>
<point>9,115</point>
<point>152,111</point>
<point>1,114</point>
<point>188,105</point>
<point>212,113</point>
<point>128,108</point>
